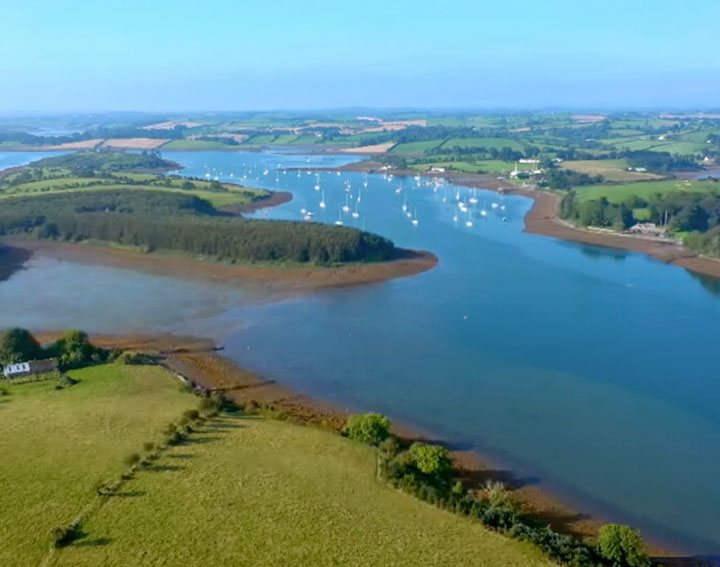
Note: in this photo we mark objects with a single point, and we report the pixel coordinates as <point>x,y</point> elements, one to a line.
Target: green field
<point>480,166</point>
<point>415,147</point>
<point>610,169</point>
<point>57,182</point>
<point>619,193</point>
<point>261,139</point>
<point>497,143</point>
<point>56,443</point>
<point>240,491</point>
<point>197,145</point>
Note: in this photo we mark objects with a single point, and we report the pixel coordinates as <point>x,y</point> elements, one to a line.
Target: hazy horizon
<point>179,56</point>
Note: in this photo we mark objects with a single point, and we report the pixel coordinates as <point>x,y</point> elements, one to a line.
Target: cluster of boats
<point>467,211</point>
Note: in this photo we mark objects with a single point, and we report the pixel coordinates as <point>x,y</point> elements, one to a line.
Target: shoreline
<point>280,280</point>
<point>197,361</point>
<point>542,219</point>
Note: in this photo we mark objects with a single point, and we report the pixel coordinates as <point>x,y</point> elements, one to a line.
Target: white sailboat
<point>346,206</point>
<point>322,200</point>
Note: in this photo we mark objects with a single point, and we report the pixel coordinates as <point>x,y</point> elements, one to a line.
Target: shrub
<point>497,495</point>
<point>148,446</point>
<point>622,546</point>
<point>132,459</point>
<point>369,428</point>
<point>191,414</point>
<point>130,357</point>
<point>432,460</point>
<point>64,536</point>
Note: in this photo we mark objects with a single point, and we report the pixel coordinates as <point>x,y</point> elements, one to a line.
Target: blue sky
<point>61,55</point>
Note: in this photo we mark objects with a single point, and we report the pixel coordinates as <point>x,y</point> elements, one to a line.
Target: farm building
<point>648,228</point>
<point>25,368</point>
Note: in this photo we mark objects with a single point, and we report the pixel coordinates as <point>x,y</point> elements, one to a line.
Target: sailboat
<point>339,222</point>
<point>483,211</point>
<point>415,219</point>
<point>322,200</point>
<point>346,206</point>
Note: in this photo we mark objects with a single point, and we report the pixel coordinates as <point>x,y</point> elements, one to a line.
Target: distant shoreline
<point>543,219</point>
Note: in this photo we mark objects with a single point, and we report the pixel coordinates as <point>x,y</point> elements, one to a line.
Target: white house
<point>33,367</point>
<point>19,369</point>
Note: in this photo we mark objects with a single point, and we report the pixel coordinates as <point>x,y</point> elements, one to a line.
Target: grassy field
<point>619,193</point>
<point>498,143</point>
<point>56,444</point>
<point>196,145</point>
<point>480,166</point>
<point>233,196</point>
<point>240,491</point>
<point>415,147</point>
<point>610,169</point>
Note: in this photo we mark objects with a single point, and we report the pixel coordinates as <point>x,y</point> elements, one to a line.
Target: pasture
<point>56,444</point>
<point>241,490</point>
<point>610,169</point>
<point>619,193</point>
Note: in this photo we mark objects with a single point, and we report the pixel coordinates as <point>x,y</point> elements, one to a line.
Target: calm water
<point>591,370</point>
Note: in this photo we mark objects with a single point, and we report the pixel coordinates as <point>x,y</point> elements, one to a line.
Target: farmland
<point>619,193</point>
<point>267,492</point>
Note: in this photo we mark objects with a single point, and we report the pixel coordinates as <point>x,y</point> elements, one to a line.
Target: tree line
<point>166,221</point>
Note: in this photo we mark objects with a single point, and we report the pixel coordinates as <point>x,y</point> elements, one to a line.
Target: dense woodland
<point>105,160</point>
<point>165,221</point>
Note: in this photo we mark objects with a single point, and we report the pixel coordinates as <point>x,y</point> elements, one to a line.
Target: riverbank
<point>276,280</point>
<point>197,361</point>
<point>543,219</point>
<point>274,199</point>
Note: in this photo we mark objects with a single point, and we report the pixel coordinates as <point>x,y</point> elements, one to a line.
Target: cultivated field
<point>134,143</point>
<point>619,193</point>
<point>239,491</point>
<point>610,169</point>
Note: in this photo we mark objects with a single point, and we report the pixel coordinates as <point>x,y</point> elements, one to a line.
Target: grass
<point>235,194</point>
<point>262,492</point>
<point>197,145</point>
<point>610,169</point>
<point>480,166</point>
<point>56,444</point>
<point>415,147</point>
<point>498,143</point>
<point>240,491</point>
<point>261,139</point>
<point>619,193</point>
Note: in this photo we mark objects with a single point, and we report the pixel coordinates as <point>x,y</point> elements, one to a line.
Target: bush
<point>130,357</point>
<point>132,459</point>
<point>148,446</point>
<point>622,546</point>
<point>432,460</point>
<point>369,428</point>
<point>497,495</point>
<point>64,536</point>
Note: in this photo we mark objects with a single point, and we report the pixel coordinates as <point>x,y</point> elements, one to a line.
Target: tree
<point>432,460</point>
<point>73,348</point>
<point>370,428</point>
<point>18,345</point>
<point>622,546</point>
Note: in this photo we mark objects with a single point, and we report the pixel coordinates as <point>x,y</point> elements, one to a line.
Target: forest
<point>106,160</point>
<point>155,221</point>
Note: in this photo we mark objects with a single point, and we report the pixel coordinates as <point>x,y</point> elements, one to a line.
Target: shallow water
<point>590,369</point>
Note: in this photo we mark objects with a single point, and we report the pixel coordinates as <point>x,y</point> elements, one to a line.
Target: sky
<point>175,55</point>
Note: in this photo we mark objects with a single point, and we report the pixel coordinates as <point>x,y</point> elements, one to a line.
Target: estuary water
<point>593,371</point>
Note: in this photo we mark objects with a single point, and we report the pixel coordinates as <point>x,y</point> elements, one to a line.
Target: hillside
<point>240,490</point>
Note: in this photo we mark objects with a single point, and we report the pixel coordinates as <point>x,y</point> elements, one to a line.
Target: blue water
<point>590,370</point>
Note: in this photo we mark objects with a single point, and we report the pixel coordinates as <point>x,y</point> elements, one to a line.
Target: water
<point>589,369</point>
